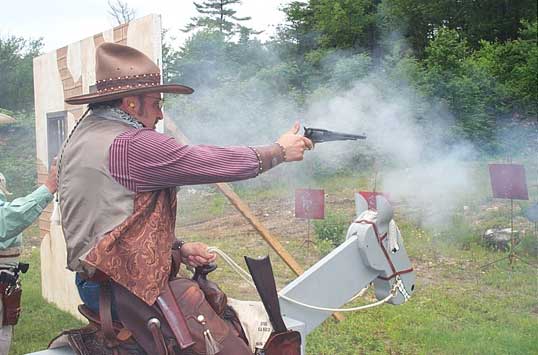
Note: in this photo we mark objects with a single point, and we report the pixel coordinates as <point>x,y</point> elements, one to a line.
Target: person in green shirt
<point>16,216</point>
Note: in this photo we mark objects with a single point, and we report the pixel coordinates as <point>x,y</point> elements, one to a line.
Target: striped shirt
<point>145,160</point>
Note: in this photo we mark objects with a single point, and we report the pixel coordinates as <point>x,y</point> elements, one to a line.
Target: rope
<point>59,162</point>
<point>352,309</point>
<point>248,278</point>
<point>244,275</point>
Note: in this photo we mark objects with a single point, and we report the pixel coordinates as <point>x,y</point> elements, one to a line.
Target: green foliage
<point>217,15</point>
<point>330,24</point>
<point>331,231</point>
<point>17,140</point>
<point>446,52</point>
<point>459,234</point>
<point>481,86</point>
<point>528,246</point>
<point>171,57</point>
<point>420,20</point>
<point>297,36</point>
<point>17,149</point>
<point>202,60</point>
<point>345,23</point>
<point>348,70</point>
<point>514,66</point>
<point>208,59</point>
<point>16,75</point>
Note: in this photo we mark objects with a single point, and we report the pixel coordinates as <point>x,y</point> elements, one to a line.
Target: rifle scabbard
<point>175,318</point>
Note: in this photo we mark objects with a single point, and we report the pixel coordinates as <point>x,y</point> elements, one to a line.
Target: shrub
<point>528,245</point>
<point>460,234</point>
<point>331,231</point>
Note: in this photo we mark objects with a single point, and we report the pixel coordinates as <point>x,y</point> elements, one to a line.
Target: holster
<point>11,301</point>
<point>282,341</point>
<point>174,317</point>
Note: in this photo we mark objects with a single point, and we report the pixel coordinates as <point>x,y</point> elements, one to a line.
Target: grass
<point>458,306</point>
<point>462,312</point>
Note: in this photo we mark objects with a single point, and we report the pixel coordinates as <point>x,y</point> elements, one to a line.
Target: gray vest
<point>91,201</point>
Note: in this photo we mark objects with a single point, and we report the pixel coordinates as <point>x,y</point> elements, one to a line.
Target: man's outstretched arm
<point>145,160</point>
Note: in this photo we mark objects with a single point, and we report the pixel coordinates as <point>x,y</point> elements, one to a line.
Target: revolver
<point>318,135</point>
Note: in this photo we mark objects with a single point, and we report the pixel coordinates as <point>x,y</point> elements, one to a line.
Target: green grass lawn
<point>459,307</point>
<point>491,313</point>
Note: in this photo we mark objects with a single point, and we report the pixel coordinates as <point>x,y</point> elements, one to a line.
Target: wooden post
<point>245,211</point>
<point>248,214</point>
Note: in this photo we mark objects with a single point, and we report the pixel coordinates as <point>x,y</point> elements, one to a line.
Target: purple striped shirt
<point>145,160</point>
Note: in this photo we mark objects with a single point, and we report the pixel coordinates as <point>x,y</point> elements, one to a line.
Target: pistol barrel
<point>318,135</point>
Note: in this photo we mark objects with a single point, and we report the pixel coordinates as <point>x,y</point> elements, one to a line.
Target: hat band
<point>128,82</point>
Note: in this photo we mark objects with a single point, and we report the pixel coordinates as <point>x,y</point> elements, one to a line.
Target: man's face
<point>148,109</point>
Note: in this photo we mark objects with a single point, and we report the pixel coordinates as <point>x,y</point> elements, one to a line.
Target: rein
<point>398,285</point>
<point>385,252</point>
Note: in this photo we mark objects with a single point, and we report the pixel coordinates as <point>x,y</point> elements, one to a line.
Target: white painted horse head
<point>383,248</point>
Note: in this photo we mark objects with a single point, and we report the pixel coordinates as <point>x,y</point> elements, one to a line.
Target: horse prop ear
<point>385,212</point>
<point>370,200</point>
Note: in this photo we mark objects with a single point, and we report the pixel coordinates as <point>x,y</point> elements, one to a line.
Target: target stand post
<point>309,204</point>
<point>508,181</point>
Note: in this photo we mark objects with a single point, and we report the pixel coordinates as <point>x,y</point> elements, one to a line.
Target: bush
<point>528,245</point>
<point>331,231</point>
<point>17,149</point>
<point>460,234</point>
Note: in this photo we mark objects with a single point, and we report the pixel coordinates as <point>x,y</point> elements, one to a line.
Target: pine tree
<point>217,15</point>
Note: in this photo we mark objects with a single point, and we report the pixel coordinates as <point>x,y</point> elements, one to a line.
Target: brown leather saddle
<point>212,326</point>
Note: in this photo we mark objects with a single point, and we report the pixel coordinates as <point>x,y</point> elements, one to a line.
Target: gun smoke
<point>416,160</point>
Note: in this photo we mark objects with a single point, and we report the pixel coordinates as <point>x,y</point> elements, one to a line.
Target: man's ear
<point>129,104</point>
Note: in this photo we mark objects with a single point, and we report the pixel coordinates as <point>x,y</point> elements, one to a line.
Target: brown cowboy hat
<point>124,71</point>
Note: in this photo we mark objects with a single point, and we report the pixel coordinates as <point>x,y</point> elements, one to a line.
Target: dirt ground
<point>200,218</point>
<point>205,215</point>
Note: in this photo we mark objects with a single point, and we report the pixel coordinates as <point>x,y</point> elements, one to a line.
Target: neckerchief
<point>115,114</point>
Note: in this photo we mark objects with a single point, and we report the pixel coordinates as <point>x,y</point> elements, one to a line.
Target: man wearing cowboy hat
<point>16,216</point>
<point>118,178</point>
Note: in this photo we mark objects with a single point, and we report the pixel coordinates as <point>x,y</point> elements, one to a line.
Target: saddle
<point>212,326</point>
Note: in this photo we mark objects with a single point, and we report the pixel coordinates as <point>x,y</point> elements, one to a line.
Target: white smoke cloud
<point>406,135</point>
<point>416,166</point>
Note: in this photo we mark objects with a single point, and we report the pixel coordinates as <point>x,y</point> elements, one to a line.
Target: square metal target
<point>508,181</point>
<point>310,203</point>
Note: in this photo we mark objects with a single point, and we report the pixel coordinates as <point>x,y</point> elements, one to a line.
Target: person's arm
<point>19,214</point>
<point>145,160</point>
